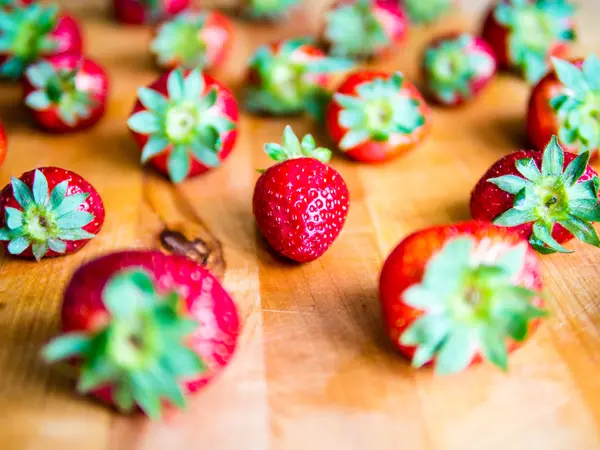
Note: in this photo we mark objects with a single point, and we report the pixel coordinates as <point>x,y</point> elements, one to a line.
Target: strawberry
<point>267,9</point>
<point>3,145</point>
<point>300,204</point>
<point>547,197</point>
<point>525,33</point>
<point>427,11</point>
<point>192,39</point>
<point>66,92</point>
<point>290,77</point>
<point>138,12</point>
<point>145,329</point>
<point>32,32</point>
<point>457,67</point>
<point>363,28</point>
<point>185,123</point>
<point>12,4</point>
<point>375,116</point>
<point>565,103</point>
<point>49,212</point>
<point>454,295</point>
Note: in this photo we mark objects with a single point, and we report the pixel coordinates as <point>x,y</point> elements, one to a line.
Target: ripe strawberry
<point>145,329</point>
<point>3,145</point>
<point>564,103</point>
<point>49,212</point>
<point>267,9</point>
<point>192,39</point>
<point>300,204</point>
<point>66,92</point>
<point>524,34</point>
<point>548,206</point>
<point>138,12</point>
<point>363,28</point>
<point>454,295</point>
<point>457,67</point>
<point>185,123</point>
<point>32,32</point>
<point>375,116</point>
<point>290,77</point>
<point>427,11</point>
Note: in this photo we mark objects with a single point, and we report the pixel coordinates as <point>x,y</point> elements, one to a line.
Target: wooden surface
<point>314,369</point>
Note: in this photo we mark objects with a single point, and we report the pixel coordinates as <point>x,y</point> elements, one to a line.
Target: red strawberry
<point>564,103</point>
<point>192,39</point>
<point>49,212</point>
<point>267,9</point>
<point>375,116</point>
<point>300,204</point>
<point>525,33</point>
<point>3,145</point>
<point>547,197</point>
<point>138,12</point>
<point>145,329</point>
<point>290,77</point>
<point>363,28</point>
<point>457,67</point>
<point>427,11</point>
<point>454,295</point>
<point>32,32</point>
<point>185,123</point>
<point>65,92</point>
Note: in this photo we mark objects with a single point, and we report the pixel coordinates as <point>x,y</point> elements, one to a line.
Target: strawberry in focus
<point>192,39</point>
<point>145,329</point>
<point>457,67</point>
<point>427,11</point>
<point>375,116</point>
<point>300,204</point>
<point>524,34</point>
<point>3,145</point>
<point>454,295</point>
<point>266,9</point>
<point>566,103</point>
<point>290,77</point>
<point>49,212</point>
<point>547,197</point>
<point>66,92</point>
<point>185,123</point>
<point>138,12</point>
<point>363,28</point>
<point>27,34</point>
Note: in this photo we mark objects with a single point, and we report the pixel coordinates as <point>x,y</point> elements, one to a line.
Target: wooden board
<point>314,369</point>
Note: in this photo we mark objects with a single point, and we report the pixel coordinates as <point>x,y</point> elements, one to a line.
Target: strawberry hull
<point>215,339</point>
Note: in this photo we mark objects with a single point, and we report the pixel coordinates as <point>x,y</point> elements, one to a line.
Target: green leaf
<point>66,346</point>
<point>22,193</point>
<point>128,293</point>
<point>571,76</point>
<point>353,139</point>
<point>12,68</point>
<point>575,169</point>
<point>585,209</point>
<point>154,146</point>
<point>205,155</point>
<point>123,395</point>
<point>513,260</point>
<point>58,194</point>
<point>445,271</point>
<point>582,230</point>
<point>456,353</point>
<point>591,71</point>
<point>38,101</point>
<point>56,245</point>
<point>328,65</point>
<point>40,189</point>
<point>291,144</point>
<point>351,118</point>
<point>513,217</point>
<point>145,122</point>
<point>194,85</point>
<point>75,219</point>
<point>207,101</point>
<point>75,234</point>
<point>183,363</point>
<point>178,163</point>
<point>152,100</point>
<point>18,245</point>
<point>39,250</point>
<point>96,371</point>
<point>528,168</point>
<point>145,395</point>
<point>5,234</point>
<point>493,347</point>
<point>14,218</point>
<point>348,101</point>
<point>543,233</point>
<point>510,183</point>
<point>420,297</point>
<point>175,85</point>
<point>553,159</point>
<point>276,152</point>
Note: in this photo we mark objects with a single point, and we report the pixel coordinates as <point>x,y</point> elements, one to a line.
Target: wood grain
<point>314,370</point>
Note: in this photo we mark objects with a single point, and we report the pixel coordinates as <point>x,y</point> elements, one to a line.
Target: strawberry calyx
<point>25,36</point>
<point>470,307</point>
<point>187,121</point>
<point>552,196</point>
<point>268,9</point>
<point>58,88</point>
<point>452,66</point>
<point>46,219</point>
<point>140,352</point>
<point>578,105</point>
<point>292,148</point>
<point>534,27</point>
<point>180,40</point>
<point>426,11</point>
<point>354,30</point>
<point>380,109</point>
<point>286,79</point>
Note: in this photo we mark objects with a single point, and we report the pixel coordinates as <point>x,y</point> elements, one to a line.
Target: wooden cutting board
<point>314,369</point>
